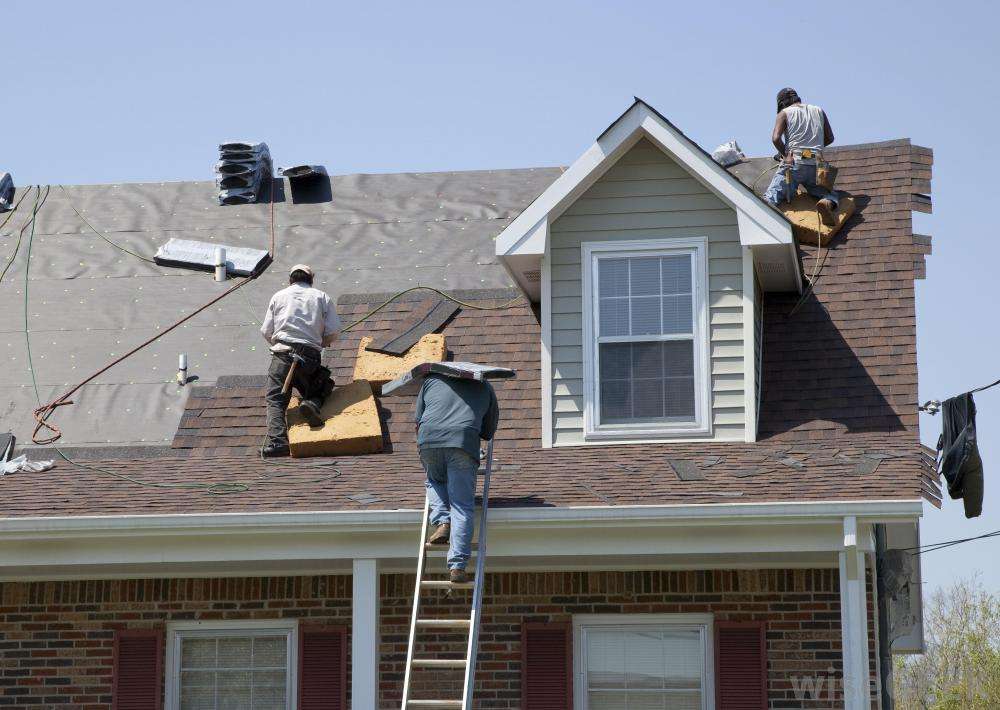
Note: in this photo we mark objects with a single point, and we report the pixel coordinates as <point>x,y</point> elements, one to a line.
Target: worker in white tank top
<point>801,131</point>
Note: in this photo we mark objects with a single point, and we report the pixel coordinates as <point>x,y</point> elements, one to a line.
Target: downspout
<point>884,644</point>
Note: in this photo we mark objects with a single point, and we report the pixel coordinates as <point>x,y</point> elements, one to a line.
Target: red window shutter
<point>322,668</point>
<point>138,670</point>
<point>547,666</point>
<point>740,665</point>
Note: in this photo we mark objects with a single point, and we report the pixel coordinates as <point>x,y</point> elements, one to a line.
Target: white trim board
<point>393,520</point>
<point>521,245</point>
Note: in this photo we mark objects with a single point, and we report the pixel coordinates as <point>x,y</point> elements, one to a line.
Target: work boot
<point>826,209</point>
<point>271,450</point>
<point>458,576</point>
<point>310,412</point>
<point>441,535</point>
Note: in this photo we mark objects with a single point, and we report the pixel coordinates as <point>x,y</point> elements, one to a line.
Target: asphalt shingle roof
<point>838,416</point>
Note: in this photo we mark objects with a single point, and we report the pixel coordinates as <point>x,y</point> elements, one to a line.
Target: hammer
<point>287,387</point>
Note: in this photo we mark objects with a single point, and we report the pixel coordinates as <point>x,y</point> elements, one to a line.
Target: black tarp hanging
<point>958,453</point>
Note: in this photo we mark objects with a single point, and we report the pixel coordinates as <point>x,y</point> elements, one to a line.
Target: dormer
<point>649,261</point>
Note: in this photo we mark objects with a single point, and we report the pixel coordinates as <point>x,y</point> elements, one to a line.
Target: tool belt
<point>826,174</point>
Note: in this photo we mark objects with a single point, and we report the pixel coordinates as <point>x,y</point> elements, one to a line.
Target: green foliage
<point>960,669</point>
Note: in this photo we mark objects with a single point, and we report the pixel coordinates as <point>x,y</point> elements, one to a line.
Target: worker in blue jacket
<point>452,416</point>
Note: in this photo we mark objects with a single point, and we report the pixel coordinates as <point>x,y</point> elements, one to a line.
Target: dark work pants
<point>311,380</point>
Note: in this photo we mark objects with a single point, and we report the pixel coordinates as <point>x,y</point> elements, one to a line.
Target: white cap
<point>304,268</point>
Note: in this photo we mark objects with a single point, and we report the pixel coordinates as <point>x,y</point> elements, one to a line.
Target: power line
<point>933,406</point>
<point>934,546</point>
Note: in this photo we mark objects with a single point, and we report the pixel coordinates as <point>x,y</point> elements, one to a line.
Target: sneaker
<point>440,536</point>
<point>270,451</point>
<point>458,576</point>
<point>826,209</point>
<point>310,412</point>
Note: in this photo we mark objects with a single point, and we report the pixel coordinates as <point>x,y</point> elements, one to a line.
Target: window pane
<point>606,659</point>
<point>616,401</point>
<point>647,381</point>
<point>677,315</point>
<point>269,652</point>
<point>644,275</point>
<point>198,653</point>
<point>649,701</point>
<point>196,697</point>
<point>235,652</point>
<point>614,317</point>
<point>605,700</point>
<point>679,398</point>
<point>646,316</point>
<point>612,277</point>
<point>676,274</point>
<point>644,659</point>
<point>684,701</point>
<point>684,658</point>
<point>616,361</point>
<point>678,358</point>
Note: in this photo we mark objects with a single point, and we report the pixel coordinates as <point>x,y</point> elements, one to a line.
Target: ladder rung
<point>434,703</point>
<point>443,584</point>
<point>445,623</point>
<point>439,663</point>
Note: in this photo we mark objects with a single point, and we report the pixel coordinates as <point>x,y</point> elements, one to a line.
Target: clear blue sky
<point>130,91</point>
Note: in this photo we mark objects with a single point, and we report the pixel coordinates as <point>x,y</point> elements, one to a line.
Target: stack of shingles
<point>242,171</point>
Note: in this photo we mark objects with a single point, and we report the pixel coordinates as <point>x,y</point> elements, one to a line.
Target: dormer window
<point>646,359</point>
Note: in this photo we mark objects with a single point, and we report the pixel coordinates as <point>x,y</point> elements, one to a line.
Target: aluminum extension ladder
<point>417,623</point>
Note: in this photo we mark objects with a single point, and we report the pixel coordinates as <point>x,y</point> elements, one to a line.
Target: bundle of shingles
<point>242,172</point>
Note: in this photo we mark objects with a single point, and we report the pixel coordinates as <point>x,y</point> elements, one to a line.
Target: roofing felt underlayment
<point>89,301</point>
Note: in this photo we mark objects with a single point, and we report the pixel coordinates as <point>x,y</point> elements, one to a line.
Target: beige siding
<point>646,195</point>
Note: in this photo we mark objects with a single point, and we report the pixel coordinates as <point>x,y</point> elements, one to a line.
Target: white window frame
<point>582,622</point>
<point>179,630</point>
<point>697,247</point>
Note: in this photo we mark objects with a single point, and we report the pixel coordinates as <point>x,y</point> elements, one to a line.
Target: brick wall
<point>801,608</point>
<point>56,637</point>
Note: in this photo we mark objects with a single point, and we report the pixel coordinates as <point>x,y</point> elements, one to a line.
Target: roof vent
<point>771,267</point>
<point>242,171</point>
<point>6,191</point>
<point>533,276</point>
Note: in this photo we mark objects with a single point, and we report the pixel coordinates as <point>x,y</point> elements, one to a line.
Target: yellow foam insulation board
<point>351,425</point>
<point>801,212</point>
<point>379,368</point>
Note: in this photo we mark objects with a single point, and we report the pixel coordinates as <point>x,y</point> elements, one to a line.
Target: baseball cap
<point>304,268</point>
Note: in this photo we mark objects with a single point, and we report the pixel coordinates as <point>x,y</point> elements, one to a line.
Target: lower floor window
<point>216,669</point>
<point>643,665</point>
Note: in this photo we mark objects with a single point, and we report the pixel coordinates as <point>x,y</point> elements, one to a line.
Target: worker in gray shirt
<point>300,322</point>
<point>453,415</point>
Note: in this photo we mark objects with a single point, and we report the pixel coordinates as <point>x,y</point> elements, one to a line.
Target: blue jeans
<point>802,174</point>
<point>451,491</point>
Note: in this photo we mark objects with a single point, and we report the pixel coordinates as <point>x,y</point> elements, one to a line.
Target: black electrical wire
<point>934,546</point>
<point>932,406</point>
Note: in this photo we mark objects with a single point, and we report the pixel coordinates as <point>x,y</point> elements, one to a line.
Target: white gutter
<point>394,520</point>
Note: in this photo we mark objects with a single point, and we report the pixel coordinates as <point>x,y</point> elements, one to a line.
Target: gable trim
<point>759,223</point>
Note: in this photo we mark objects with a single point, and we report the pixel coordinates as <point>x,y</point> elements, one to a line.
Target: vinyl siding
<point>646,195</point>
